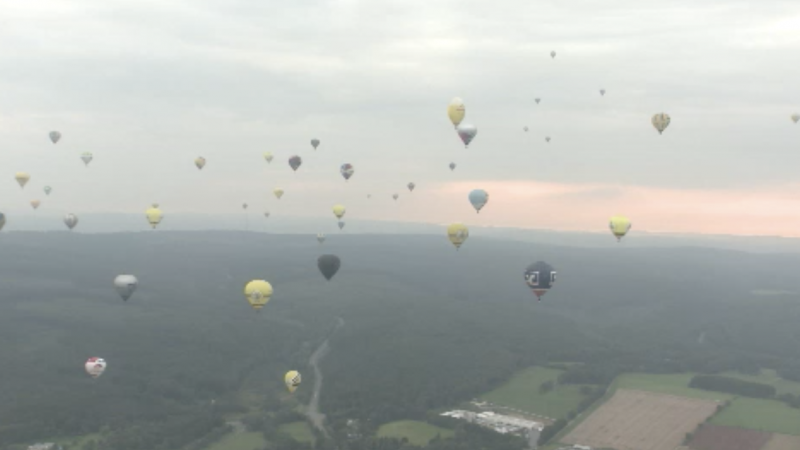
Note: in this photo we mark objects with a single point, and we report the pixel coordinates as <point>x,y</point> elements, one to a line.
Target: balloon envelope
<point>87,158</point>
<point>294,162</point>
<point>125,285</point>
<point>467,133</point>
<point>456,111</point>
<point>258,293</point>
<point>619,225</point>
<point>338,211</point>
<point>35,204</point>
<point>540,277</point>
<point>153,216</point>
<point>70,220</point>
<point>315,143</point>
<point>95,366</point>
<point>478,198</point>
<point>278,193</point>
<point>458,234</point>
<point>320,238</point>
<point>292,379</point>
<point>347,171</point>
<point>2,220</point>
<point>22,178</point>
<point>55,136</point>
<point>200,162</point>
<point>328,265</point>
<point>660,121</point>
<point>268,156</point>
<point>341,224</point>
<point>411,186</point>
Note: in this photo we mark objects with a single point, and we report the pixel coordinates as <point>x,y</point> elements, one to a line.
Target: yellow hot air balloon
<point>268,156</point>
<point>338,211</point>
<point>458,234</point>
<point>278,193</point>
<point>619,226</point>
<point>35,203</point>
<point>456,111</point>
<point>200,162</point>
<point>154,216</point>
<point>292,380</point>
<point>22,178</point>
<point>258,293</point>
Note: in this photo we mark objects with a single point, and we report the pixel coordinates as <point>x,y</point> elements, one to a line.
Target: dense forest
<point>426,327</point>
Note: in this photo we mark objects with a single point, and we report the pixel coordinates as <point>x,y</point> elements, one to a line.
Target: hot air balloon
<point>602,92</point>
<point>244,205</point>
<point>95,366</point>
<point>315,143</point>
<point>553,54</point>
<point>341,224</point>
<point>661,122</point>
<point>87,158</point>
<point>125,285</point>
<point>258,293</point>
<point>540,277</point>
<point>537,100</point>
<point>2,220</point>
<point>294,162</point>
<point>35,204</point>
<point>795,118</point>
<point>268,157</point>
<point>347,171</point>
<point>458,234</point>
<point>466,133</point>
<point>200,162</point>
<point>411,187</point>
<point>328,265</point>
<point>338,211</point>
<point>22,178</point>
<point>619,226</point>
<point>320,238</point>
<point>456,111</point>
<point>547,138</point>
<point>478,198</point>
<point>292,379</point>
<point>278,193</point>
<point>55,136</point>
<point>153,216</point>
<point>525,129</point>
<point>452,166</point>
<point>47,190</point>
<point>266,214</point>
<point>70,220</point>
<point>394,196</point>
<point>154,205</point>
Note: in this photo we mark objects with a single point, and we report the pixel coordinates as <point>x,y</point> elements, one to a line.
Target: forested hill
<point>426,326</point>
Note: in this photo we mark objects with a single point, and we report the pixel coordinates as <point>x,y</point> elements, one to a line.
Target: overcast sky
<point>147,86</point>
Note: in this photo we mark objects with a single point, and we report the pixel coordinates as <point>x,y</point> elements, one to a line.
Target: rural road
<point>313,412</point>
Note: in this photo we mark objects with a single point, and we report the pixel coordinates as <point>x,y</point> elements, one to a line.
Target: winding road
<point>312,411</point>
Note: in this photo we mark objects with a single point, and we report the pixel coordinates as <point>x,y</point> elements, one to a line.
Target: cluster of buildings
<point>45,446</point>
<point>498,422</point>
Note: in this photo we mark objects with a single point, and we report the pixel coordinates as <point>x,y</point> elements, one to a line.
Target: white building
<point>497,422</point>
<point>45,446</point>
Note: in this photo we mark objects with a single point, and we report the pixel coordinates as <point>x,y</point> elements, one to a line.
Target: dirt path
<point>312,411</point>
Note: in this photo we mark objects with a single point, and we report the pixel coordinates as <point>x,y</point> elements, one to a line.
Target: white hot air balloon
<point>70,220</point>
<point>125,285</point>
<point>95,366</point>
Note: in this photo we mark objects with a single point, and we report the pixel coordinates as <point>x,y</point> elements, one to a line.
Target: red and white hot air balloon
<point>95,366</point>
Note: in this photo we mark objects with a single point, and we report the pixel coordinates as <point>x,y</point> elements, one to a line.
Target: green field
<point>417,433</point>
<point>768,376</point>
<point>522,392</point>
<point>760,414</point>
<point>674,384</point>
<point>299,431</point>
<point>73,442</point>
<point>239,441</point>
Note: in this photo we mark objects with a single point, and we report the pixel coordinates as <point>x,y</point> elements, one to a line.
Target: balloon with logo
<point>456,111</point>
<point>458,234</point>
<point>540,277</point>
<point>347,171</point>
<point>95,366</point>
<point>292,379</point>
<point>258,293</point>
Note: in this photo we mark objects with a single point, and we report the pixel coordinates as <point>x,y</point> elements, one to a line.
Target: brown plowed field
<point>783,442</point>
<point>638,420</point>
<point>715,437</point>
